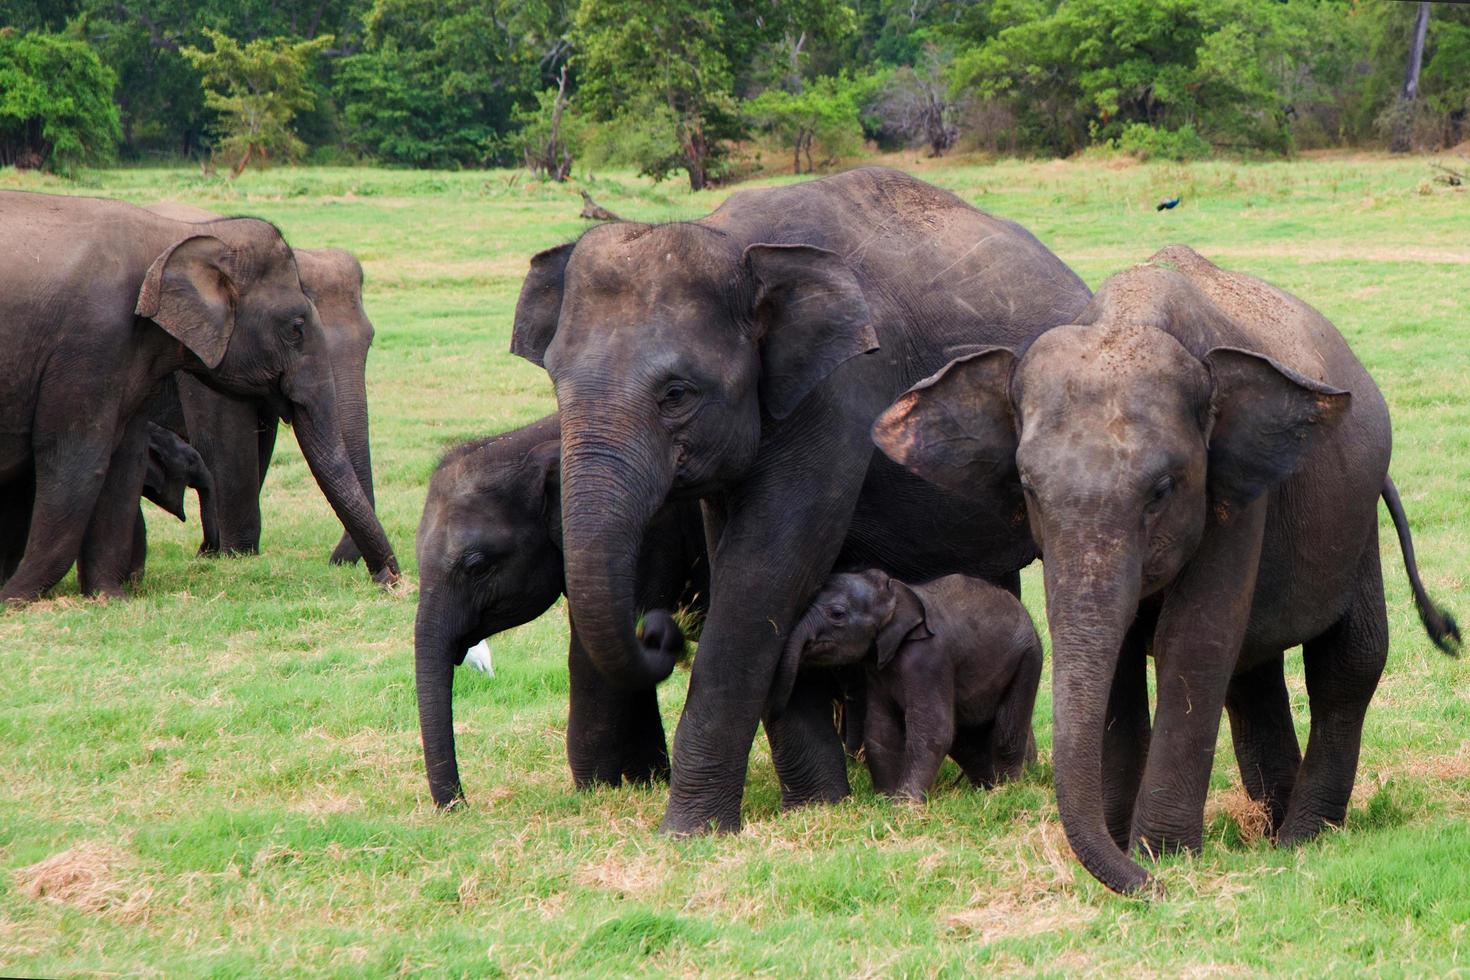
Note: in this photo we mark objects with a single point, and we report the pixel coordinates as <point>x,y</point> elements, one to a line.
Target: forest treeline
<point>691,86</point>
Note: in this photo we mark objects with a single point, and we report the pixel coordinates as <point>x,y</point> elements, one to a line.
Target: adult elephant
<point>237,436</point>
<point>1203,457</point>
<point>99,302</point>
<point>742,359</point>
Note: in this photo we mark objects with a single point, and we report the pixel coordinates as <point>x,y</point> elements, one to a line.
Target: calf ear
<point>190,292</point>
<point>543,476</point>
<point>539,306</point>
<point>906,623</point>
<point>955,428</point>
<point>1267,420</point>
<point>812,316</point>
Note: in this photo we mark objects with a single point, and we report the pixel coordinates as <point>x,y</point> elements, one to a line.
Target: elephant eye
<point>675,395</point>
<point>298,329</point>
<point>837,614</point>
<point>475,562</point>
<point>1160,492</point>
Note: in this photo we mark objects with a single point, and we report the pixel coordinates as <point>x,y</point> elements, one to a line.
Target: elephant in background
<point>237,436</point>
<point>740,360</point>
<point>1202,457</point>
<point>99,302</point>
<point>490,558</point>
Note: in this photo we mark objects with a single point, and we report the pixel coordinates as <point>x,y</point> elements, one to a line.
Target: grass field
<point>224,773</point>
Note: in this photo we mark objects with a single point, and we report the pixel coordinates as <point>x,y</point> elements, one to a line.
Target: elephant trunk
<point>437,649</point>
<point>610,493</point>
<point>321,443</point>
<point>1092,586</point>
<point>208,510</point>
<point>352,412</point>
<point>790,664</point>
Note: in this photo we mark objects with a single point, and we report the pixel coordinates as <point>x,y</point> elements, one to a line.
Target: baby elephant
<point>952,666</point>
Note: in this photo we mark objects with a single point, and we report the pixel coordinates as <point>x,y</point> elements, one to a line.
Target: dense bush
<point>56,107</point>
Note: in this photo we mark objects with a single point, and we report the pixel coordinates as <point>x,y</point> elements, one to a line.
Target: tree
<point>257,89</point>
<point>1404,111</point>
<point>916,104</point>
<point>56,107</point>
<point>824,111</point>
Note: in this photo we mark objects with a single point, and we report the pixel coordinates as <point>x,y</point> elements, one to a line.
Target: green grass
<point>234,752</point>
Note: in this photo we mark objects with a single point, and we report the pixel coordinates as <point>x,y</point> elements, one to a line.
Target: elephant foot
<point>1155,844</point>
<point>687,821</point>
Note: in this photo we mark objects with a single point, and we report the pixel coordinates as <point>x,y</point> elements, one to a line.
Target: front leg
<point>109,560</point>
<point>784,528</point>
<point>611,735</point>
<point>226,432</point>
<point>1196,645</point>
<point>809,761</point>
<point>883,742</point>
<point>928,733</point>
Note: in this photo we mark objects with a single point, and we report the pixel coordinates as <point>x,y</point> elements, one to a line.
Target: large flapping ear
<point>190,292</point>
<point>1267,420</point>
<point>955,428</point>
<point>539,306</point>
<point>812,317</point>
<point>906,623</point>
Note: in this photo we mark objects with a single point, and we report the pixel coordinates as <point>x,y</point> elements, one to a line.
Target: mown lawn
<point>226,768</point>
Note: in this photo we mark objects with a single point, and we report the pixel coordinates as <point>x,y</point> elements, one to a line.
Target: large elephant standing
<point>99,302</point>
<point>490,558</point>
<point>237,436</point>
<point>1202,457</point>
<point>742,359</point>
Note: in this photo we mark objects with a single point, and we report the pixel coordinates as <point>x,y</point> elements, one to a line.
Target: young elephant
<point>952,666</point>
<point>1202,457</point>
<point>174,467</point>
<point>490,558</point>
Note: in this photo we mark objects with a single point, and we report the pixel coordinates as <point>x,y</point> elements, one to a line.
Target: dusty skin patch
<point>89,878</point>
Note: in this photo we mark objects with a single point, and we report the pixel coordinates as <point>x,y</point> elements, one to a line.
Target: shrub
<point>56,108</point>
<point>1148,142</point>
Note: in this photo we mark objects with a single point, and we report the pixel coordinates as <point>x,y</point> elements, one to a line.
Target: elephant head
<point>489,560</point>
<point>857,617</point>
<point>233,298</point>
<point>670,348</point>
<point>1125,444</point>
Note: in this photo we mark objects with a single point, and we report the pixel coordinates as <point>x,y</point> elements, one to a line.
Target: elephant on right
<point>1201,456</point>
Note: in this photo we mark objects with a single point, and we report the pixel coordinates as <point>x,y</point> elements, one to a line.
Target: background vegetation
<point>222,776</point>
<point>719,89</point>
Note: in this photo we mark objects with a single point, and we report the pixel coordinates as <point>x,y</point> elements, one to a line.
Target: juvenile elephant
<point>952,667</point>
<point>741,359</point>
<point>490,558</point>
<point>174,467</point>
<point>1202,457</point>
<point>99,301</point>
<point>237,436</point>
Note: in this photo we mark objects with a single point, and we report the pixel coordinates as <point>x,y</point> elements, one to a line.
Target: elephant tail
<point>1438,623</point>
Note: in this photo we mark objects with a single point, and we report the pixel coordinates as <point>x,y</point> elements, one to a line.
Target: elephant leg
<point>809,761</point>
<point>226,433</point>
<point>854,712</point>
<point>67,484</point>
<point>1013,743</point>
<point>1266,748</point>
<point>1343,667</point>
<point>105,563</point>
<point>1126,737</point>
<point>646,757</point>
<point>974,750</point>
<point>16,500</point>
<point>928,734</point>
<point>1196,645</point>
<point>599,749</point>
<point>883,743</point>
<point>139,558</point>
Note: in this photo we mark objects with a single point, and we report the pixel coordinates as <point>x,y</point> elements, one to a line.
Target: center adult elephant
<point>99,302</point>
<point>742,359</point>
<point>237,436</point>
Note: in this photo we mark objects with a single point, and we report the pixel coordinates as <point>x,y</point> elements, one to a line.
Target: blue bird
<point>1168,202</point>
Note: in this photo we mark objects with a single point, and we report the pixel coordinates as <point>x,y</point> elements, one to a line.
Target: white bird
<point>478,657</point>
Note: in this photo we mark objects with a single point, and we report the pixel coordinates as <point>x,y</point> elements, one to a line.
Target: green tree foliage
<point>56,107</point>
<point>257,89</point>
<point>824,112</point>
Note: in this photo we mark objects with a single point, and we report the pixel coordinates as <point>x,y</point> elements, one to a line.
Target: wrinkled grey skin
<point>952,667</point>
<point>237,436</point>
<point>490,558</point>
<point>99,302</point>
<point>1202,457</point>
<point>741,360</point>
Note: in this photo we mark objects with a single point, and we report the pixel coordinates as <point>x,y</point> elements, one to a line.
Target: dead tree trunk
<point>1403,132</point>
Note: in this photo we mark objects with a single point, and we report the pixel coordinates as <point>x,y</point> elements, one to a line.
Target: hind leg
<point>972,749</point>
<point>1265,740</point>
<point>1012,741</point>
<point>1343,667</point>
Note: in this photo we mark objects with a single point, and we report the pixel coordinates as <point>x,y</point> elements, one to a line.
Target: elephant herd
<point>835,419</point>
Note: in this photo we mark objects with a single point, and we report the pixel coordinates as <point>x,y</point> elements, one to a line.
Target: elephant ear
<point>812,316</point>
<point>543,483</point>
<point>190,292</point>
<point>907,622</point>
<point>1267,420</point>
<point>539,306</point>
<point>956,427</point>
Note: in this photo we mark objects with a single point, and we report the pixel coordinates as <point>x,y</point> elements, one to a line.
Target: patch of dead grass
<point>636,875</point>
<point>90,878</point>
<point>1008,916</point>
<point>1250,816</point>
